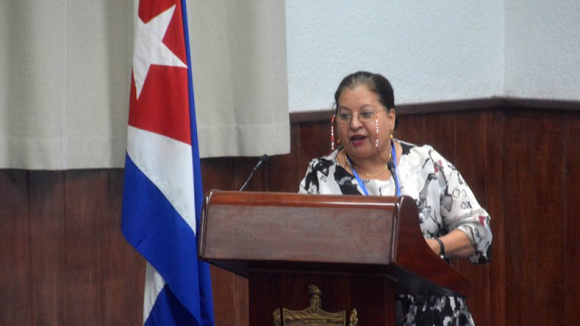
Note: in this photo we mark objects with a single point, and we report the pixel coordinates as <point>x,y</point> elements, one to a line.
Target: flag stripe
<point>149,152</point>
<point>155,283</point>
<point>168,311</point>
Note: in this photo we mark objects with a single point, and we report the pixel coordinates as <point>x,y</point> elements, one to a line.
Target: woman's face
<point>362,107</point>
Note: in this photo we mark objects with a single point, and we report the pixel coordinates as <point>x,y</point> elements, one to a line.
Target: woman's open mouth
<point>358,140</point>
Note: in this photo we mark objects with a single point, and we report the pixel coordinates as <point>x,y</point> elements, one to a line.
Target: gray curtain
<point>65,69</point>
<point>240,79</point>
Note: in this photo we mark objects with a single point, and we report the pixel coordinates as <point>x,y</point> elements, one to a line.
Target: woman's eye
<point>367,115</point>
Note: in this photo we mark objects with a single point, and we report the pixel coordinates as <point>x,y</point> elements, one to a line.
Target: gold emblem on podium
<point>313,315</point>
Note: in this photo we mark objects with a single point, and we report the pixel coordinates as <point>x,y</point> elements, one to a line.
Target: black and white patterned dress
<point>445,203</point>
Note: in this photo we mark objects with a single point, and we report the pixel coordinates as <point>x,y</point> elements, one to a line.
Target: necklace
<point>368,175</point>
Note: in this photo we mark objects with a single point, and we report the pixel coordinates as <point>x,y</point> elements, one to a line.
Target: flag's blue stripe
<point>169,311</point>
<point>159,233</point>
<point>206,298</point>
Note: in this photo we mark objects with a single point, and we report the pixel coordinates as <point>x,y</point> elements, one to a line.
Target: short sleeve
<point>461,211</point>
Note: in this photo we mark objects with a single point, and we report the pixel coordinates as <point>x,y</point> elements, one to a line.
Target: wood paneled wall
<point>63,260</point>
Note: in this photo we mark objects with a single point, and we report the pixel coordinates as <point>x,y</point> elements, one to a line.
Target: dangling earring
<point>377,133</point>
<point>332,132</point>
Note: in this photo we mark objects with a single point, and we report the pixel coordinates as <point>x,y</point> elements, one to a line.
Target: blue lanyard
<point>361,183</point>
<point>394,153</point>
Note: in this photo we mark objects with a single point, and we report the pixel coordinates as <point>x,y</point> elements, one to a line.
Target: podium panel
<point>370,297</point>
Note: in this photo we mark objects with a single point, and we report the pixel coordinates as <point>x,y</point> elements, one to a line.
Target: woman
<point>371,162</point>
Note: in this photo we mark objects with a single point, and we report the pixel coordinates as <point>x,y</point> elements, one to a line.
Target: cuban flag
<point>162,191</point>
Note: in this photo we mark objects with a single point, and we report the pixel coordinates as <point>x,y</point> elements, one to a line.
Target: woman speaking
<point>369,161</point>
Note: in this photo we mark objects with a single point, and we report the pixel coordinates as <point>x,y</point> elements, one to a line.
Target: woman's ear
<point>392,116</point>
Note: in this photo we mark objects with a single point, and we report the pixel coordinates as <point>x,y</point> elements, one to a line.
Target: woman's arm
<point>465,223</point>
<point>456,243</point>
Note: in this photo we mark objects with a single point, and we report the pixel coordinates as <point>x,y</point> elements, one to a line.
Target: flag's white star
<point>149,47</point>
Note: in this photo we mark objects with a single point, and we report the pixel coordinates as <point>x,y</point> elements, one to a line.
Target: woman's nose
<point>355,123</point>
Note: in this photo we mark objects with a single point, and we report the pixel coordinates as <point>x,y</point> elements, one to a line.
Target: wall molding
<point>453,106</point>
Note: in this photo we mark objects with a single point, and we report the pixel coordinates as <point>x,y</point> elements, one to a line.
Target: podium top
<point>244,231</point>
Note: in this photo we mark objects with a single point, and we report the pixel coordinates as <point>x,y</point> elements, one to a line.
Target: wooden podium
<point>358,251</point>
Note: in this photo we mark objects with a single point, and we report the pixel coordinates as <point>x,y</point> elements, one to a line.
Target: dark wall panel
<point>534,194</point>
<point>440,132</point>
<point>572,227</point>
<point>15,286</point>
<point>411,128</point>
<point>494,179</point>
<point>48,247</point>
<point>84,207</point>
<point>283,171</point>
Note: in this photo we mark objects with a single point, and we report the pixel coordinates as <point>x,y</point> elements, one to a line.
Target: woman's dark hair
<point>375,83</point>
